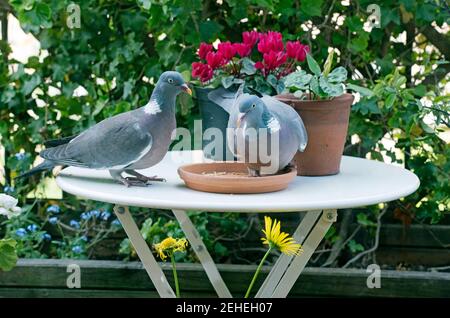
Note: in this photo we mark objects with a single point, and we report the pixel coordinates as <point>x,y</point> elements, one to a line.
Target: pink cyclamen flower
<point>202,71</point>
<point>215,59</point>
<point>273,59</point>
<point>204,49</point>
<point>296,50</point>
<point>243,49</point>
<point>259,65</point>
<point>250,37</point>
<point>227,49</point>
<point>270,41</point>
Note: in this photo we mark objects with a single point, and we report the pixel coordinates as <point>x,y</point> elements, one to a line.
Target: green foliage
<point>8,256</point>
<point>321,84</point>
<point>396,113</point>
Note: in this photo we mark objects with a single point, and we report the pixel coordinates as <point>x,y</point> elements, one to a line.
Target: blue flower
<point>77,249</point>
<point>8,189</point>
<point>32,227</point>
<point>105,215</point>
<point>53,209</point>
<point>116,222</point>
<point>46,237</point>
<point>74,224</point>
<point>84,238</point>
<point>85,215</point>
<point>95,213</point>
<point>21,232</point>
<point>19,155</point>
<point>53,220</point>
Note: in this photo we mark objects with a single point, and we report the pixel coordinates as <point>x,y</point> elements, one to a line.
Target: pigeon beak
<point>186,89</point>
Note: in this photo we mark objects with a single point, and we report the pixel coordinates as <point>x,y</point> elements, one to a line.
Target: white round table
<point>360,182</point>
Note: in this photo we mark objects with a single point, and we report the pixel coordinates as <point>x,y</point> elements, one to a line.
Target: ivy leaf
<point>8,256</point>
<point>338,75</point>
<point>31,84</point>
<point>43,12</point>
<point>355,247</point>
<point>359,43</point>
<point>313,65</point>
<point>359,89</point>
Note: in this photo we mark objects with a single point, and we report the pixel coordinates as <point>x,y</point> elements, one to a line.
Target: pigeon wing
<point>114,143</point>
<point>290,116</point>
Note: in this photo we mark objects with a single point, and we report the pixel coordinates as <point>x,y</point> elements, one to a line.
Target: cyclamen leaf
<point>280,87</point>
<point>314,86</point>
<point>331,89</point>
<point>272,80</point>
<point>338,75</point>
<point>227,81</point>
<point>248,67</point>
<point>299,80</point>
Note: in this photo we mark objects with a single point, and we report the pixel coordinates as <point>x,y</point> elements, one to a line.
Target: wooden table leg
<point>309,246</point>
<point>149,262</point>
<point>281,265</point>
<point>203,255</point>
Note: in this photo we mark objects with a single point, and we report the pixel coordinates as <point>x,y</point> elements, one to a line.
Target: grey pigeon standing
<point>262,115</point>
<point>127,142</point>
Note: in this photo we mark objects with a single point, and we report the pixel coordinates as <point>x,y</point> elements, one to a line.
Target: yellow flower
<point>169,246</point>
<point>279,240</point>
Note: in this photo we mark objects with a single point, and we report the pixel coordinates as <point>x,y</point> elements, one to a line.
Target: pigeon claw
<point>135,182</point>
<point>155,178</point>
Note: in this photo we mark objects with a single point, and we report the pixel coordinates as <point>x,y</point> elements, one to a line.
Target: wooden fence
<point>47,278</point>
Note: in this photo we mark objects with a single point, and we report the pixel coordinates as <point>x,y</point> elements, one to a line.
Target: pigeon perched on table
<point>280,121</point>
<point>127,142</point>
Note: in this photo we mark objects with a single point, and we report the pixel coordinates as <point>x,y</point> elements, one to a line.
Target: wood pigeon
<point>127,142</point>
<point>261,115</point>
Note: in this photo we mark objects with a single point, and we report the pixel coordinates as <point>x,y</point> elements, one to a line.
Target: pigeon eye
<point>253,105</point>
<point>170,80</point>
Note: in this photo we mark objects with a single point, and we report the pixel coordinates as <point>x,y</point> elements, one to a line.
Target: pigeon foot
<point>128,182</point>
<point>141,177</point>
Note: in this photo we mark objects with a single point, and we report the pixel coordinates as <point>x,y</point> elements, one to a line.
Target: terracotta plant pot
<point>326,122</point>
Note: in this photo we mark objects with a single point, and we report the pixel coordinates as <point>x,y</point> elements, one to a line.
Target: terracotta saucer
<point>232,177</point>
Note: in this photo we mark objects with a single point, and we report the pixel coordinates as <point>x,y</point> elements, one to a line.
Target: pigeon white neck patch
<point>152,107</point>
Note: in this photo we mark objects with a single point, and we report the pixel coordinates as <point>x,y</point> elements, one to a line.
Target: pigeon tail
<point>46,165</point>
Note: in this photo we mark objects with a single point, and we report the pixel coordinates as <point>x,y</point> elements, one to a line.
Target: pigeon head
<point>172,83</point>
<point>251,108</point>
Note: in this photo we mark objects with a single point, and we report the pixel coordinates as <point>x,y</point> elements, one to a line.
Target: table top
<point>361,182</point>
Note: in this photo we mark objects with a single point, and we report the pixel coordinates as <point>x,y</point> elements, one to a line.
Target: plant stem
<point>257,273</point>
<point>175,276</point>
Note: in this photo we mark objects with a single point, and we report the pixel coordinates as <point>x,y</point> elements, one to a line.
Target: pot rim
<point>290,97</point>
